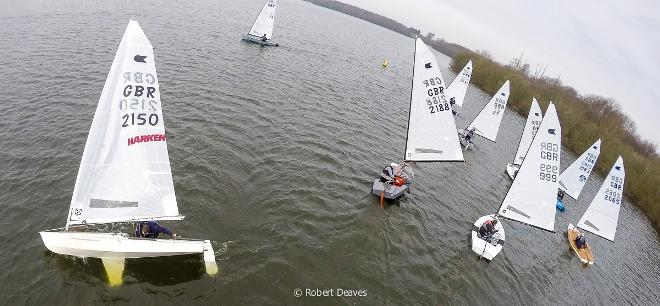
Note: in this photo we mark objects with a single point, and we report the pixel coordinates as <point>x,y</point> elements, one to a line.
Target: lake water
<point>273,152</point>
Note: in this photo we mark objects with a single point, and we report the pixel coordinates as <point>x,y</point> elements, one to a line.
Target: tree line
<point>584,118</point>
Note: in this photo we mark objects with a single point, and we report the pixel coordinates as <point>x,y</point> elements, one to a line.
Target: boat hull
<point>584,254</point>
<point>117,245</point>
<point>389,191</point>
<point>257,40</point>
<point>484,248</point>
<point>512,170</point>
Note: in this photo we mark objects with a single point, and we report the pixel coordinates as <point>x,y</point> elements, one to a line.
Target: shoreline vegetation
<point>584,117</point>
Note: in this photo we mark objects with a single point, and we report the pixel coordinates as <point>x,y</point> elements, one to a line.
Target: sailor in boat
<point>394,174</point>
<point>580,241</point>
<point>560,195</point>
<point>469,135</point>
<point>487,229</point>
<point>452,101</point>
<point>151,229</point>
<point>263,38</point>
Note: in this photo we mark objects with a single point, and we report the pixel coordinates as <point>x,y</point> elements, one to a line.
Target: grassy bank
<point>584,118</point>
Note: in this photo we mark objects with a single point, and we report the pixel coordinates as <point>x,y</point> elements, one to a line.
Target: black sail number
<point>139,119</point>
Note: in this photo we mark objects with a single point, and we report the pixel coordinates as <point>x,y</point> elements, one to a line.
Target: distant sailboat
<point>262,28</point>
<point>531,198</point>
<point>572,180</point>
<point>125,174</point>
<point>456,91</point>
<point>431,127</point>
<point>602,215</point>
<point>487,123</point>
<point>534,119</point>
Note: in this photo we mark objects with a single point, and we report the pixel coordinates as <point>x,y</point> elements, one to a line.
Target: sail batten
<point>487,123</point>
<point>431,132</point>
<point>532,196</point>
<point>125,171</point>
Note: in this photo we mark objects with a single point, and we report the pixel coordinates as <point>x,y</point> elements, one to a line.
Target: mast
<point>412,87</point>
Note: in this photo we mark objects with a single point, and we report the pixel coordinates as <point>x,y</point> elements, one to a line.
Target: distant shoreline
<point>439,44</point>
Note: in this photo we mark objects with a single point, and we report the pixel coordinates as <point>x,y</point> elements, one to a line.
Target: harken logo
<point>551,131</point>
<point>146,138</point>
<point>139,58</point>
<point>428,65</point>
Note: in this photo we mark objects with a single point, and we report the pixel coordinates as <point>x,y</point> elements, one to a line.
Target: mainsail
<point>125,170</point>
<point>533,194</point>
<point>459,85</point>
<point>572,180</point>
<point>431,127</point>
<point>531,126</point>
<point>487,122</point>
<point>602,215</point>
<point>265,21</point>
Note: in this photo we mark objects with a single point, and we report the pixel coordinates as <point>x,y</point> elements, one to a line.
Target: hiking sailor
<point>487,229</point>
<point>151,229</point>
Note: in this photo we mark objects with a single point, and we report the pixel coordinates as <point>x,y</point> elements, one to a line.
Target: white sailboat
<point>262,28</point>
<point>531,198</point>
<point>125,174</point>
<point>572,180</point>
<point>456,91</point>
<point>602,216</point>
<point>431,128</point>
<point>487,123</point>
<point>534,119</point>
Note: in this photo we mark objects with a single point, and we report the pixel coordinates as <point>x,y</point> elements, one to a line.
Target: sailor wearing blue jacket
<point>151,229</point>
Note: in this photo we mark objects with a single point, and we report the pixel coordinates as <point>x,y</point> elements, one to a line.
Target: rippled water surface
<point>273,151</point>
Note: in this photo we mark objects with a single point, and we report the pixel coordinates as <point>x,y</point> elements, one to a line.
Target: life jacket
<point>399,181</point>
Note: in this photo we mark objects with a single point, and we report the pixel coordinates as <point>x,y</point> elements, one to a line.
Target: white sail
<point>459,85</point>
<point>531,126</point>
<point>431,127</point>
<point>265,21</point>
<point>487,122</point>
<point>572,180</point>
<point>533,194</point>
<point>125,170</point>
<point>602,215</point>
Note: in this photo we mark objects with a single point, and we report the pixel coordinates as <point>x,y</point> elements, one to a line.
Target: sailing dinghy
<point>431,128</point>
<point>125,174</point>
<point>456,91</point>
<point>602,216</point>
<point>531,198</point>
<point>487,123</point>
<point>262,28</point>
<point>572,180</point>
<point>531,126</point>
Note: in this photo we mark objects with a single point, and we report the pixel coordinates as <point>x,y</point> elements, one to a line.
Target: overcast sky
<point>609,48</point>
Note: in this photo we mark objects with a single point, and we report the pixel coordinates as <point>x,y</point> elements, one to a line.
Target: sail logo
<point>427,65</point>
<point>146,138</point>
<point>140,58</point>
<point>551,131</point>
<point>617,168</point>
